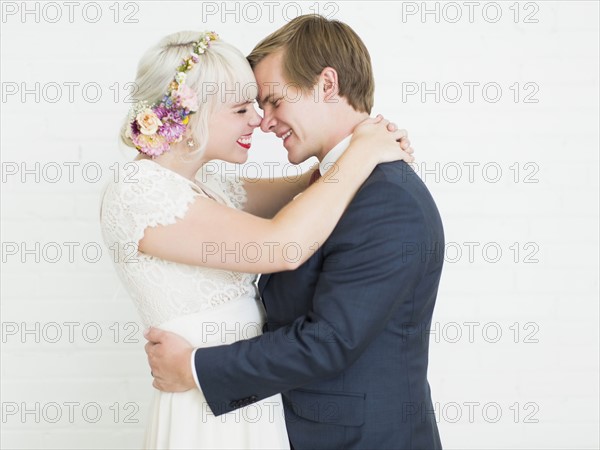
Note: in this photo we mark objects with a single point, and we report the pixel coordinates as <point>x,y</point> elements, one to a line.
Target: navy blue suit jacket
<point>346,341</point>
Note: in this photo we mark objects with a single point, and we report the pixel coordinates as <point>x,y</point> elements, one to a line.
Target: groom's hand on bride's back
<point>169,357</point>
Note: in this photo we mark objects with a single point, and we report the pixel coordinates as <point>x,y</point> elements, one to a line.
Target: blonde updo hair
<point>222,71</point>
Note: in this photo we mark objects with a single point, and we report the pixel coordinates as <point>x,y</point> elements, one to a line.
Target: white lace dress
<point>206,306</point>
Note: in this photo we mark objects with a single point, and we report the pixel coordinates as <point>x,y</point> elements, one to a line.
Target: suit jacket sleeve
<point>367,273</point>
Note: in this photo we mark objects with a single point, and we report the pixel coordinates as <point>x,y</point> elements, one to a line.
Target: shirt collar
<point>334,154</point>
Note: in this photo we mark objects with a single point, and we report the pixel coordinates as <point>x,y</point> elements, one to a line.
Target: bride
<point>192,243</point>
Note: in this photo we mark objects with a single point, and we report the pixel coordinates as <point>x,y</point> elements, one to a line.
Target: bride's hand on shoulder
<point>404,141</point>
<point>385,141</point>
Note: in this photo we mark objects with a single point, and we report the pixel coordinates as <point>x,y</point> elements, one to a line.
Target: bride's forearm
<point>311,217</point>
<point>267,196</point>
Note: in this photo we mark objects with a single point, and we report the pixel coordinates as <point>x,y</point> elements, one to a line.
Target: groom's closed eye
<point>269,99</point>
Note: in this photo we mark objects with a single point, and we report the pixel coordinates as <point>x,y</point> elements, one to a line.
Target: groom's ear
<point>330,86</point>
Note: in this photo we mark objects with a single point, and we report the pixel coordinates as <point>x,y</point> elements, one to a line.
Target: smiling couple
<point>327,359</point>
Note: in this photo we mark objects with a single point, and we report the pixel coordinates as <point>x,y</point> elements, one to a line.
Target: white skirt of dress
<point>184,419</point>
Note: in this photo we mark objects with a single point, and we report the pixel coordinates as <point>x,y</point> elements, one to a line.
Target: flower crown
<point>153,128</point>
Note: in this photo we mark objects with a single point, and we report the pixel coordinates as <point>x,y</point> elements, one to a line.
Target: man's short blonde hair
<point>310,43</point>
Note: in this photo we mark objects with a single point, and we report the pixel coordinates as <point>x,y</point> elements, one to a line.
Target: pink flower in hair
<point>188,98</point>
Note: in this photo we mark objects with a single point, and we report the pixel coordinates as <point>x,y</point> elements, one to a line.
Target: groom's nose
<point>268,123</point>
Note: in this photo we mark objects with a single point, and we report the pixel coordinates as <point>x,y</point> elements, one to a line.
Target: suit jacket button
<point>253,398</point>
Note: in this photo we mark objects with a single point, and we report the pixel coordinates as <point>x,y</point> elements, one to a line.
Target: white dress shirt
<point>334,154</point>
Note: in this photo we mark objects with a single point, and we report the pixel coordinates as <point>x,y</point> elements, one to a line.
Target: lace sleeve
<point>234,189</point>
<point>226,188</point>
<point>156,196</point>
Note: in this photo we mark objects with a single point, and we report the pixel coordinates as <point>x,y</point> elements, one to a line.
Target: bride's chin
<point>241,159</point>
<point>236,159</point>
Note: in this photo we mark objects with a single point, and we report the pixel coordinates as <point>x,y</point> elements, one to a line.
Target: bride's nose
<point>255,120</point>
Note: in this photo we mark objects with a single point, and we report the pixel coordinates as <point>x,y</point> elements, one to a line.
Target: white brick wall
<point>536,387</point>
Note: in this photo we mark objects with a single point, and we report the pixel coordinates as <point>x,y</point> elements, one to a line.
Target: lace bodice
<point>163,290</point>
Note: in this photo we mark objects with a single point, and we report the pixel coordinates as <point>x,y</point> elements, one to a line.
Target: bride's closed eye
<point>244,110</point>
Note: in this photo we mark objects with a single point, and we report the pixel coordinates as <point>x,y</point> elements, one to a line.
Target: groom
<point>346,339</point>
